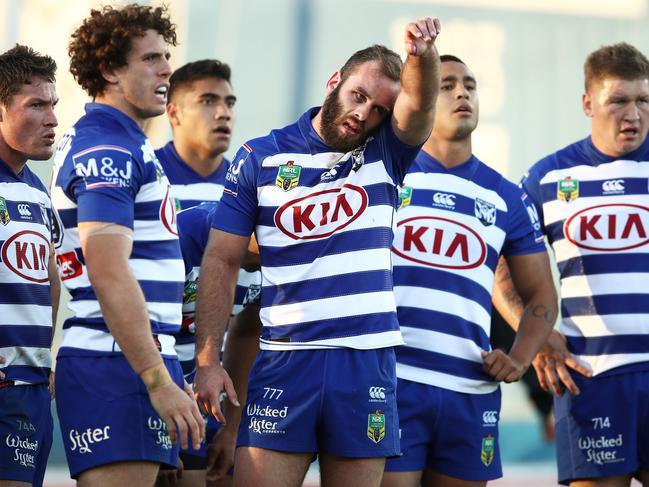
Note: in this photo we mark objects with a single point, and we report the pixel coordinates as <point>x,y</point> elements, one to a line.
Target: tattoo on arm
<point>507,288</point>
<point>540,311</point>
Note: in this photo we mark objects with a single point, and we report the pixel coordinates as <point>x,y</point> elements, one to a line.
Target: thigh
<point>283,403</point>
<point>465,445</point>
<point>26,432</point>
<point>597,437</point>
<point>359,410</point>
<point>106,415</point>
<point>359,472</point>
<point>270,468</point>
<point>418,406</point>
<point>437,479</point>
<point>142,474</point>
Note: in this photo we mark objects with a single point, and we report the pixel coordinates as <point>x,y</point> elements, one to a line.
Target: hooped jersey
<point>452,226</point>
<point>106,171</point>
<point>594,210</point>
<point>26,231</point>
<point>189,188</point>
<point>194,225</point>
<point>323,221</point>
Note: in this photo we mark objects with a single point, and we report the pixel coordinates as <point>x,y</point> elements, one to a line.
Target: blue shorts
<point>337,401</point>
<point>25,433</point>
<point>106,415</point>
<point>197,459</point>
<point>604,430</point>
<point>450,432</point>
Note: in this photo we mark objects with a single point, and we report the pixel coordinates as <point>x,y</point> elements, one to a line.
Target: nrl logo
<point>288,176</point>
<point>568,190</point>
<point>485,212</point>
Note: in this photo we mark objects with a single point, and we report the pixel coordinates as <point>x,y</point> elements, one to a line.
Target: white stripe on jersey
<point>608,325</point>
<point>359,342</point>
<point>328,308</point>
<point>586,286</point>
<point>315,161</point>
<point>160,312</point>
<point>611,170</point>
<point>98,341</point>
<point>611,361</point>
<point>149,230</point>
<point>26,314</point>
<point>197,191</point>
<point>18,191</point>
<point>26,356</point>
<point>439,379</point>
<point>185,351</point>
<point>465,308</point>
<point>364,260</point>
<point>150,191</point>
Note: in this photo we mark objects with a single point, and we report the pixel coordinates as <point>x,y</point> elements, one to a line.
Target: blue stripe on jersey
<point>307,252</point>
<point>605,345</point>
<point>163,249</point>
<point>154,292</point>
<point>22,293</point>
<point>442,322</point>
<point>325,329</point>
<point>453,283</point>
<point>26,335</point>
<point>440,362</point>
<point>605,304</point>
<point>595,264</point>
<point>26,373</point>
<point>100,325</point>
<point>593,188</point>
<point>329,287</point>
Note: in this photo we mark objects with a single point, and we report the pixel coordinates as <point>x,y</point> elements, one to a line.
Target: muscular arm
<point>124,310</point>
<point>414,109</point>
<point>55,289</point>
<point>240,351</point>
<point>535,302</point>
<point>219,271</point>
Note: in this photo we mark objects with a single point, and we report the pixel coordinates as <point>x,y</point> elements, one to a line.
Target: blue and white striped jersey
<point>26,227</point>
<point>194,226</point>
<point>106,170</point>
<point>323,221</point>
<point>187,187</point>
<point>452,225</point>
<point>594,210</point>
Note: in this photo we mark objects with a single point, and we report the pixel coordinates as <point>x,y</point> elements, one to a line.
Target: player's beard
<point>331,118</point>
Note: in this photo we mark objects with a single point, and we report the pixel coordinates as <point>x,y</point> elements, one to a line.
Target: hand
<point>2,361</point>
<point>552,363</point>
<point>170,477</point>
<point>421,35</point>
<point>220,453</point>
<point>50,385</point>
<point>502,367</point>
<point>180,414</point>
<point>209,383</point>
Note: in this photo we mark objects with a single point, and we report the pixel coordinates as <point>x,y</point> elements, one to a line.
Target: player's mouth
<point>630,132</point>
<point>350,128</point>
<point>222,130</point>
<point>464,109</point>
<point>161,92</point>
<point>49,138</point>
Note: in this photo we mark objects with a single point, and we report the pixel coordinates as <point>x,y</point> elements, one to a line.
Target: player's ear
<point>108,75</point>
<point>172,114</point>
<point>333,81</point>
<point>587,104</point>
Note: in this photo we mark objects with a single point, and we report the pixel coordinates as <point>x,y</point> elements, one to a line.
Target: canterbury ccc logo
<point>444,199</point>
<point>23,210</point>
<point>490,417</point>
<point>377,392</point>
<point>613,186</point>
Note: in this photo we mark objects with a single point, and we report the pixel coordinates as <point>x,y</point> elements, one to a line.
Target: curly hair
<point>197,70</point>
<point>620,60</point>
<point>103,41</point>
<point>18,65</point>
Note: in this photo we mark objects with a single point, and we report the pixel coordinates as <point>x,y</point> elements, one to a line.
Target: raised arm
<point>218,277</point>
<point>414,109</point>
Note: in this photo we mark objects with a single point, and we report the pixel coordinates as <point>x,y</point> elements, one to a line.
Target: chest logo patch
<point>485,212</point>
<point>568,189</point>
<point>288,176</point>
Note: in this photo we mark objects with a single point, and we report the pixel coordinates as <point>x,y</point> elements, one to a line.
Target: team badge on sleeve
<point>288,176</point>
<point>485,212</point>
<point>4,212</point>
<point>487,451</point>
<point>376,426</point>
<point>568,190</point>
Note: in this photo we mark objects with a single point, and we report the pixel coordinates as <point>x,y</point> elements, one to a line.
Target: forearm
<point>535,326</point>
<point>420,80</point>
<point>505,296</point>
<point>55,290</point>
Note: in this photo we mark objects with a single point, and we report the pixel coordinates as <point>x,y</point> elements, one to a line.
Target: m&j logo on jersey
<point>609,228</point>
<point>439,242</point>
<point>568,189</point>
<point>321,214</point>
<point>288,176</point>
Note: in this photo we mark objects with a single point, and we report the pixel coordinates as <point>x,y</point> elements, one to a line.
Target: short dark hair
<point>450,58</point>
<point>620,60</point>
<point>103,41</point>
<point>18,65</point>
<point>390,61</point>
<point>197,70</point>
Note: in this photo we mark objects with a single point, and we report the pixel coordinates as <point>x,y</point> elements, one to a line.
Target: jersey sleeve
<point>237,211</point>
<point>531,186</point>
<point>397,155</point>
<point>524,230</point>
<point>103,181</point>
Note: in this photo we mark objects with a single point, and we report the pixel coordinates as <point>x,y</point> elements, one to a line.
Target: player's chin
<point>42,153</point>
